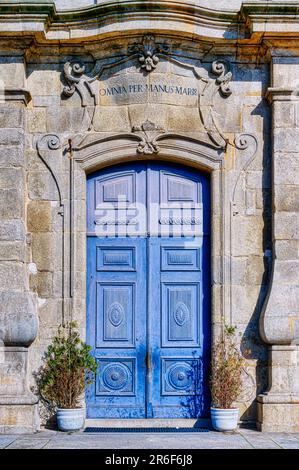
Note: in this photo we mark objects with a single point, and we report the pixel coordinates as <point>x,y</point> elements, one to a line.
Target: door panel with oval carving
<point>148,291</point>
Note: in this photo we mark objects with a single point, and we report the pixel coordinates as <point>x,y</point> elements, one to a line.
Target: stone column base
<point>278,409</point>
<point>277,414</point>
<point>18,419</point>
<point>18,406</point>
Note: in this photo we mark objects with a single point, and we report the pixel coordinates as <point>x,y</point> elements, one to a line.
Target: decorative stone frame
<point>176,149</point>
<point>90,151</point>
<point>97,152</point>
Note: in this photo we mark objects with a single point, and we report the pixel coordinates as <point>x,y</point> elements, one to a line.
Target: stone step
<point>146,423</point>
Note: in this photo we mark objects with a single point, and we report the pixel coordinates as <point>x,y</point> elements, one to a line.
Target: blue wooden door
<point>116,293</point>
<point>179,291</point>
<point>148,291</point>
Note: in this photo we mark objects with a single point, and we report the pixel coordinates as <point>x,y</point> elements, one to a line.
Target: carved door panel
<point>148,291</point>
<point>116,294</point>
<point>179,292</point>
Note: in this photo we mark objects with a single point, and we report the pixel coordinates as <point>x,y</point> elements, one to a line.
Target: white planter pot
<point>224,419</point>
<point>70,419</point>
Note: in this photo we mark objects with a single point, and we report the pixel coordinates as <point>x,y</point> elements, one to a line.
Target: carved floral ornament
<point>148,133</point>
<point>148,53</point>
<point>147,56</point>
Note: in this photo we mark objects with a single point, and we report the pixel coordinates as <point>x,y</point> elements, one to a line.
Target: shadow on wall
<point>252,346</point>
<point>196,399</point>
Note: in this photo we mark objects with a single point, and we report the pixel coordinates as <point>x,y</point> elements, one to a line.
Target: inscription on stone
<point>133,88</point>
<point>139,88</point>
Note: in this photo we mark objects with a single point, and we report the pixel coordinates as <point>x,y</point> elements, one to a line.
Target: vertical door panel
<point>179,285</point>
<point>116,295</point>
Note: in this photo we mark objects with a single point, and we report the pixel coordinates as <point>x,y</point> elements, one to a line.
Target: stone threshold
<point>147,423</point>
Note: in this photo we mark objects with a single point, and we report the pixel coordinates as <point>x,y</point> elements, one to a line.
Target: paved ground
<point>242,439</point>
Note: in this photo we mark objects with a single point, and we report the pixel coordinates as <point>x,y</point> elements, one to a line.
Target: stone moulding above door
<point>93,149</point>
<point>146,56</point>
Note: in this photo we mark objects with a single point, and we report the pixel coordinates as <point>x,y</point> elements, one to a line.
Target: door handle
<point>148,361</point>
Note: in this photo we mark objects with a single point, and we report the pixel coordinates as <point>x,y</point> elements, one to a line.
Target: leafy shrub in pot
<point>67,367</point>
<point>225,381</point>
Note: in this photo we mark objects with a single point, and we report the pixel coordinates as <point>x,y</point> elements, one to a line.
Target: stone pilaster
<point>279,407</point>
<point>18,318</point>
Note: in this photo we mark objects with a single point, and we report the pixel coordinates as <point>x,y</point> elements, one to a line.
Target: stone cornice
<point>15,94</point>
<point>282,94</point>
<point>271,17</point>
<point>26,16</point>
<point>42,18</point>
<point>106,17</point>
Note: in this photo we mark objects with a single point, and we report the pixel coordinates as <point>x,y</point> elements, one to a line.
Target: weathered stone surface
<point>50,315</point>
<point>285,71</point>
<point>44,81</point>
<point>36,120</point>
<point>11,137</point>
<point>11,156</point>
<point>42,186</point>
<point>39,216</point>
<point>224,118</point>
<point>286,226</point>
<point>12,251</point>
<point>45,101</point>
<point>248,271</point>
<point>244,300</point>
<point>65,119</point>
<point>18,419</point>
<point>258,180</point>
<point>287,272</point>
<point>12,366</point>
<point>186,121</point>
<point>107,118</point>
<point>278,417</point>
<point>11,117</point>
<point>284,114</point>
<point>42,284</point>
<point>12,71</point>
<point>42,251</point>
<point>33,161</point>
<point>19,322</point>
<point>286,168</point>
<point>12,230</point>
<point>10,178</point>
<point>287,249</point>
<point>254,121</point>
<point>247,236</point>
<point>286,140</point>
<point>287,198</point>
<point>11,275</point>
<point>11,204</point>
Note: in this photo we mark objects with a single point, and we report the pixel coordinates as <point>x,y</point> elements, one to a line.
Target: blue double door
<point>148,291</point>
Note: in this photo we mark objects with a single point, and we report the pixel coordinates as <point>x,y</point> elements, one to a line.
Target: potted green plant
<point>225,381</point>
<point>67,367</point>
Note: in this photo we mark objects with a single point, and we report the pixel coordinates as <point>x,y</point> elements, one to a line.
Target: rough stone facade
<point>69,107</point>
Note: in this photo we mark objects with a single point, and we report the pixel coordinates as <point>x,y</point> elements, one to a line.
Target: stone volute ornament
<point>224,77</point>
